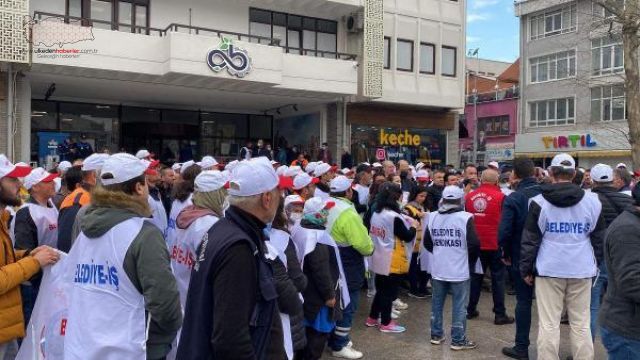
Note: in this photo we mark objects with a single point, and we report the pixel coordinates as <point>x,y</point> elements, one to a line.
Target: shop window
<point>449,61</point>
<point>87,117</point>
<point>427,58</point>
<point>404,55</point>
<point>608,103</point>
<point>494,126</point>
<point>387,52</point>
<point>223,134</point>
<point>44,115</point>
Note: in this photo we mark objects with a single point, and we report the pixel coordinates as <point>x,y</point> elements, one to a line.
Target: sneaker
<point>437,340</point>
<point>417,295</point>
<point>400,305</point>
<point>347,352</point>
<point>514,353</point>
<point>465,345</point>
<point>472,315</point>
<point>392,328</point>
<point>394,315</point>
<point>396,311</point>
<point>503,320</point>
<point>372,322</point>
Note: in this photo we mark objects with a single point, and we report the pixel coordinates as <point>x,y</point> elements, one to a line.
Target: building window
<point>449,60</point>
<point>427,58</point>
<point>599,12</point>
<point>297,34</point>
<point>556,66</point>
<point>608,103</point>
<point>494,126</point>
<point>553,22</point>
<point>404,58</point>
<point>122,15</point>
<point>387,52</point>
<point>552,112</point>
<point>607,55</point>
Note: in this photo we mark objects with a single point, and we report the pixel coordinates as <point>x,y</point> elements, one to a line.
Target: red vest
<point>485,203</point>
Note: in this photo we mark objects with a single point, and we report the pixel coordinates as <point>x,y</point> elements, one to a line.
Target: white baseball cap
<point>176,167</point>
<point>8,169</point>
<point>209,180</point>
<point>143,154</point>
<point>494,164</point>
<point>94,162</point>
<point>621,165</point>
<point>186,165</point>
<point>303,179</point>
<point>564,161</point>
<point>253,177</point>
<point>208,162</point>
<point>346,171</point>
<point>311,167</point>
<point>376,165</point>
<point>293,199</point>
<point>340,184</point>
<point>321,169</point>
<point>602,173</point>
<point>422,175</point>
<point>274,163</point>
<point>452,192</point>
<point>38,175</point>
<point>316,204</point>
<point>231,165</point>
<point>420,165</point>
<point>64,166</point>
<point>122,167</point>
<point>280,171</point>
<point>293,171</point>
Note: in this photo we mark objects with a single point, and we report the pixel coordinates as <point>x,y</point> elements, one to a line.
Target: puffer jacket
<point>613,202</point>
<point>414,210</point>
<point>15,268</point>
<point>485,203</point>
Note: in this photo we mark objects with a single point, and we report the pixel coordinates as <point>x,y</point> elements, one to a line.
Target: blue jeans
<point>340,336</point>
<point>489,259</point>
<point>597,291</point>
<point>524,300</point>
<point>619,347</point>
<point>460,293</point>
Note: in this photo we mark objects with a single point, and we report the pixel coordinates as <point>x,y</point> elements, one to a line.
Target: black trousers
<point>316,341</point>
<point>386,291</point>
<point>417,278</point>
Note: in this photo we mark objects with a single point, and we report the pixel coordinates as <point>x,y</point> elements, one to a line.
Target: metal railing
<point>505,94</point>
<point>196,30</point>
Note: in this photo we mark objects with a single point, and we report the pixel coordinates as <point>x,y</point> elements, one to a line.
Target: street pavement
<point>414,343</point>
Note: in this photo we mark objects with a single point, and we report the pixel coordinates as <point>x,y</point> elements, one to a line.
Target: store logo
<point>226,56</point>
<point>569,141</point>
<point>402,139</point>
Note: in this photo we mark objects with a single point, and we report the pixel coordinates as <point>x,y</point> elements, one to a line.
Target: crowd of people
<point>121,257</point>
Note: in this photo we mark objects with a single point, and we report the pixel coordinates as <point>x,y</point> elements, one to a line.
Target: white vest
<point>363,194</point>
<point>384,241</point>
<point>565,250</point>
<point>106,312</point>
<point>321,194</point>
<point>46,220</point>
<point>176,207</point>
<point>183,252</point>
<point>278,242</point>
<point>159,214</point>
<point>450,260</point>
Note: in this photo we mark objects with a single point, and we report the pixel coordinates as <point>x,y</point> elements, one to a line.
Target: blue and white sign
<point>227,56</point>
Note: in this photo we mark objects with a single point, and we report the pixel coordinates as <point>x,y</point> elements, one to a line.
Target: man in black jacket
<point>613,204</point>
<point>231,309</point>
<point>435,190</point>
<point>619,316</point>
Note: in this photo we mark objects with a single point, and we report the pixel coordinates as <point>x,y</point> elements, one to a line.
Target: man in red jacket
<point>485,203</point>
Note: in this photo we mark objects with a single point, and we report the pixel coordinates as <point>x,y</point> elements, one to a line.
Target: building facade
<point>196,77</point>
<point>486,67</point>
<point>572,96</point>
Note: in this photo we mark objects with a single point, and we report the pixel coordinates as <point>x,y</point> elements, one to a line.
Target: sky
<point>493,27</point>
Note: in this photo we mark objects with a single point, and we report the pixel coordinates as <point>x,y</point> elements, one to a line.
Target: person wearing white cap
<point>293,206</point>
<point>17,266</point>
<point>325,173</point>
<point>208,163</point>
<point>494,165</point>
<point>62,192</point>
<point>143,154</point>
<point>176,168</point>
<point>193,222</point>
<point>181,193</point>
<point>305,185</point>
<point>613,204</point>
<point>293,171</point>
<point>393,235</point>
<point>564,222</point>
<point>120,262</point>
<point>311,167</point>
<point>621,166</point>
<point>232,287</point>
<point>362,183</point>
<point>280,171</point>
<point>347,229</point>
<point>451,239</point>
<point>77,199</point>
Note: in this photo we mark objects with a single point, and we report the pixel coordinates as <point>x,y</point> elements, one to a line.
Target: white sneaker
<point>347,352</point>
<point>400,305</point>
<point>395,312</point>
<point>394,315</point>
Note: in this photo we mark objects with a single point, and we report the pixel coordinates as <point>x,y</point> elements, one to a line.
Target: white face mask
<point>295,217</point>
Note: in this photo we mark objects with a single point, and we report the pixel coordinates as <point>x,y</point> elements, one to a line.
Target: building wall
<point>485,67</point>
<point>494,108</point>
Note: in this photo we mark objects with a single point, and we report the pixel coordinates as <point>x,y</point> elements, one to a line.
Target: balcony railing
<point>505,94</point>
<point>196,30</point>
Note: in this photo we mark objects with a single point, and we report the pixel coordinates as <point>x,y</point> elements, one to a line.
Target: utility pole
<point>475,52</point>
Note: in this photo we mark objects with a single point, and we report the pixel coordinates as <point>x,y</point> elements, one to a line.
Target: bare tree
<point>627,14</point>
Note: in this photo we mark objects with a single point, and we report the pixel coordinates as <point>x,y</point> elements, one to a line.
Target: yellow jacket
<point>399,261</point>
<point>15,268</point>
<point>413,212</point>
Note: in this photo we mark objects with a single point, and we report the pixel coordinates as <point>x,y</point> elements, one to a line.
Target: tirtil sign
<point>227,56</point>
<point>401,139</point>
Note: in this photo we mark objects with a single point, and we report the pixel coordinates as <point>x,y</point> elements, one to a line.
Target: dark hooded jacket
<point>146,263</point>
<point>613,202</point>
<point>561,195</point>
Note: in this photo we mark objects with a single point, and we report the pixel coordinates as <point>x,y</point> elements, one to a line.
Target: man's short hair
<point>624,175</point>
<point>523,168</point>
<point>561,173</point>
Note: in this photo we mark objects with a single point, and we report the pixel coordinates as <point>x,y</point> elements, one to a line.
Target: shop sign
<point>400,139</point>
<point>227,56</point>
<point>569,141</point>
<point>381,154</point>
<point>499,152</point>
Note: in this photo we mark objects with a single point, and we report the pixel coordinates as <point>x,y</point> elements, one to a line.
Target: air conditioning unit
<point>355,23</point>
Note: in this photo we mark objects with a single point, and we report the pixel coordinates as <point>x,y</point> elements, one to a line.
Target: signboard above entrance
<point>402,139</point>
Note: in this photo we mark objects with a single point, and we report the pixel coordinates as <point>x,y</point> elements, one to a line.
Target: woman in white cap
<point>293,208</point>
